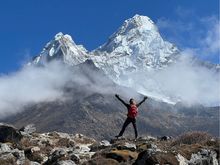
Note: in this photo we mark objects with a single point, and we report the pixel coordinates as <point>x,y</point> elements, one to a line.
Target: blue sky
<point>27,25</point>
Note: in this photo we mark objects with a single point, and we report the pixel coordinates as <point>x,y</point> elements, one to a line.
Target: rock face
<point>9,134</point>
<point>56,148</point>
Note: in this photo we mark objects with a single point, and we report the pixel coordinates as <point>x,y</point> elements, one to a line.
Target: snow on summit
<point>62,47</point>
<point>130,57</point>
<point>136,46</point>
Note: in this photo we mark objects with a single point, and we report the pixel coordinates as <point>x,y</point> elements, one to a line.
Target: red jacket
<point>132,111</point>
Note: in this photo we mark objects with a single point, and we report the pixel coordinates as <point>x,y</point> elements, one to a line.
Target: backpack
<point>132,111</point>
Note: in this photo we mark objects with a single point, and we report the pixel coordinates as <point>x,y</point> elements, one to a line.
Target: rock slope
<point>56,148</point>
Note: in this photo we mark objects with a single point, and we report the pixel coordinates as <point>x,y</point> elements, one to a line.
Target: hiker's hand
<point>116,95</point>
<point>145,97</point>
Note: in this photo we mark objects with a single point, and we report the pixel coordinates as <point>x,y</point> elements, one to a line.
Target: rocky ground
<point>26,147</point>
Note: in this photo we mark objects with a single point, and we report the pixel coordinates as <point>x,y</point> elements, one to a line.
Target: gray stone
<point>105,143</point>
<point>29,129</point>
<point>34,163</point>
<point>66,162</point>
<point>4,148</point>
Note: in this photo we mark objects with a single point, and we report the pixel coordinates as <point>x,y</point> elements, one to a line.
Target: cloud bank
<point>183,81</point>
<point>31,85</point>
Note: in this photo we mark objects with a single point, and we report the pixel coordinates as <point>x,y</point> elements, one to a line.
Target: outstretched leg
<point>135,127</point>
<point>127,121</point>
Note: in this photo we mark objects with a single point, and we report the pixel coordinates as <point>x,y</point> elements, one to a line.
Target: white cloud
<point>30,85</point>
<point>211,41</point>
<point>188,31</point>
<point>183,81</point>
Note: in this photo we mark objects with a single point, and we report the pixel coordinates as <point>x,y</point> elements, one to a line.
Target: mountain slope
<point>91,108</point>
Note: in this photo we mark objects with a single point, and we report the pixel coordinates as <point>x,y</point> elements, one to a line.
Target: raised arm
<point>145,98</point>
<point>123,102</point>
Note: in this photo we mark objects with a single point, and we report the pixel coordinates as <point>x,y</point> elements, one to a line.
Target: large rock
<point>56,156</point>
<point>149,158</point>
<point>9,134</point>
<point>34,154</point>
<point>29,129</point>
<point>122,155</point>
<point>127,146</point>
<point>8,155</point>
<point>101,161</point>
<point>66,162</point>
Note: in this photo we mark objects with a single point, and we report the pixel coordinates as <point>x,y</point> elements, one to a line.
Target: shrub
<point>192,138</point>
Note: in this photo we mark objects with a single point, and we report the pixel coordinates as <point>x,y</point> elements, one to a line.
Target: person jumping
<point>131,115</point>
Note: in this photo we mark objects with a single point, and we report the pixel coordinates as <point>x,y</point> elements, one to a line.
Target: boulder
<point>9,134</point>
<point>56,156</point>
<point>127,146</point>
<point>122,155</point>
<point>33,154</point>
<point>66,162</point>
<point>149,158</point>
<point>99,146</point>
<point>4,147</point>
<point>34,163</point>
<point>7,159</point>
<point>204,157</point>
<point>29,129</point>
<point>101,161</point>
<point>105,143</point>
<point>165,138</point>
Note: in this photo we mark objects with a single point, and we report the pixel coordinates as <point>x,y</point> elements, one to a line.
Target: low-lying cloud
<point>33,84</point>
<point>30,85</point>
<point>185,81</point>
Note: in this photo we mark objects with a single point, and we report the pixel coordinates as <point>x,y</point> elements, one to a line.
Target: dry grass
<point>193,137</point>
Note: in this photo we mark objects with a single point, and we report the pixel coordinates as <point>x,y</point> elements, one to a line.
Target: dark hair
<point>131,100</point>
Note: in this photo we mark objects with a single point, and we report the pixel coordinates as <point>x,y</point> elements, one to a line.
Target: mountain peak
<point>60,35</point>
<point>62,47</point>
<point>138,21</point>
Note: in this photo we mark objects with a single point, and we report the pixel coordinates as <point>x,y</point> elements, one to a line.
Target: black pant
<point>126,123</point>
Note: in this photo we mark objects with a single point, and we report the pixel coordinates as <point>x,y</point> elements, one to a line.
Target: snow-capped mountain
<point>130,57</point>
<point>136,46</point>
<point>62,47</point>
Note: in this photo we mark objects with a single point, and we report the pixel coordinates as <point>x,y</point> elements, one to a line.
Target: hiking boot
<point>117,136</point>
